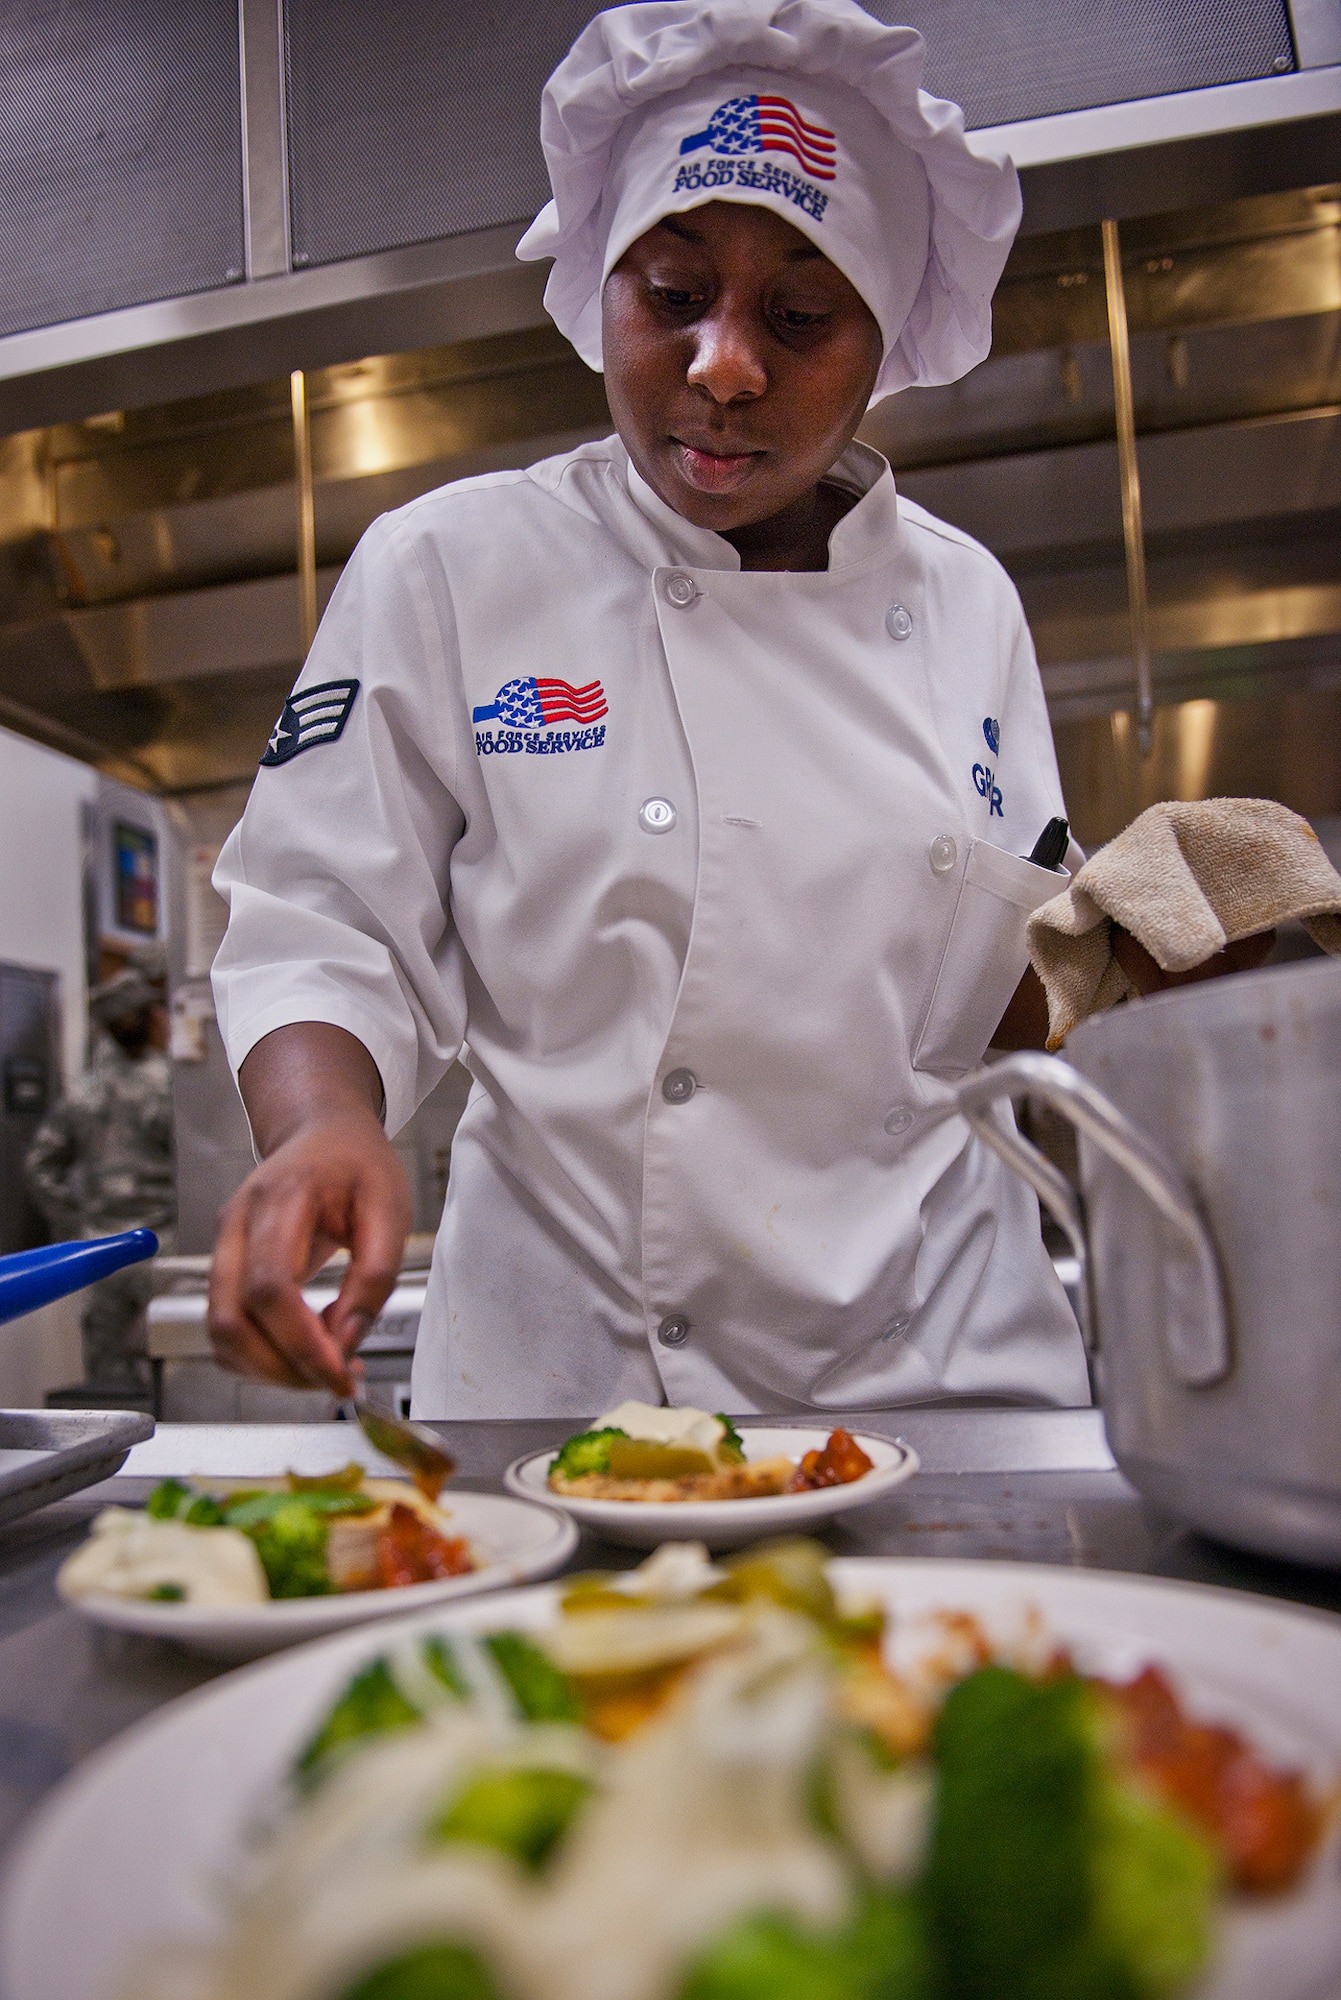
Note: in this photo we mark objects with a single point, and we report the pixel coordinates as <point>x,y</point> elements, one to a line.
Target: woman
<point>685,780</point>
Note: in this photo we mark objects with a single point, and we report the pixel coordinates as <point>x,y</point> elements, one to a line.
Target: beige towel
<point>1185,880</point>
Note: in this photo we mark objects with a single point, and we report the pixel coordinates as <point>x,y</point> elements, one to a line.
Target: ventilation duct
<point>188,207</point>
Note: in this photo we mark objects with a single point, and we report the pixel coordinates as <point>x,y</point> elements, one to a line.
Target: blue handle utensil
<point>33,1278</point>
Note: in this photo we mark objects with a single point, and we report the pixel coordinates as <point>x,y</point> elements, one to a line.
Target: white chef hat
<point>808,107</point>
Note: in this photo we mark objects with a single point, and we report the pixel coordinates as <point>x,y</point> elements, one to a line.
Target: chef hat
<point>809,107</point>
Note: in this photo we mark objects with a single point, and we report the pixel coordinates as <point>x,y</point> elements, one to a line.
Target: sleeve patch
<point>316,715</point>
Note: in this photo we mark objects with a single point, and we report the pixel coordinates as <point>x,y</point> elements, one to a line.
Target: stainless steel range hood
<point>149,609</point>
<point>1185,148</point>
<point>1123,161</point>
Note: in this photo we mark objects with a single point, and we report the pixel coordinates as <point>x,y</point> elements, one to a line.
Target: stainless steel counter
<point>1019,1486</point>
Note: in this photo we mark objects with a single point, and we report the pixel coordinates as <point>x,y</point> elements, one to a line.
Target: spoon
<point>411,1445</point>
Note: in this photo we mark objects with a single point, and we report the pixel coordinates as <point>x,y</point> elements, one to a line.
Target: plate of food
<point>235,1568</point>
<point>642,1474</point>
<point>866,1779</point>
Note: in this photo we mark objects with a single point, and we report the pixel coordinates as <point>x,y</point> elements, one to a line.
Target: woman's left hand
<point>1245,955</point>
<point>1024,1025</point>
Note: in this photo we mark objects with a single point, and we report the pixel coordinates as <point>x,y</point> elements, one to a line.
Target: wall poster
<point>135,878</point>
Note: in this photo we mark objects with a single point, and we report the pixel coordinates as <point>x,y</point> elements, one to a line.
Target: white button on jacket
<point>657,815</point>
<point>466,867</point>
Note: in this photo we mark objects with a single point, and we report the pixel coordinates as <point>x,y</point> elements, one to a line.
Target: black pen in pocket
<point>1051,845</point>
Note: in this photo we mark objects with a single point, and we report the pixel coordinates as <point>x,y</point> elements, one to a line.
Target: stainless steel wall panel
<point>264,150</point>
<point>120,155</point>
<point>415,122</point>
<point>1035,58</point>
<point>1204,477</point>
<point>1275,744</point>
<point>1317,32</point>
<point>458,288</point>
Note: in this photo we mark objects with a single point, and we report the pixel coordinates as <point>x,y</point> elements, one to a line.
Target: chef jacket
<point>713,878</point>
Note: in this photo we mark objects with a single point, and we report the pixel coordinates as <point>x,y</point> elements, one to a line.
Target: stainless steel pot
<point>1209,1232</point>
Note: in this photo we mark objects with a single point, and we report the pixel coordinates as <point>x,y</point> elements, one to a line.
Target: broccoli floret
<point>523,1813</point>
<point>1008,1874</point>
<point>767,1956</point>
<point>880,1955</point>
<point>373,1703</point>
<point>247,1510</point>
<point>292,1546</point>
<point>541,1692</point>
<point>166,1593</point>
<point>431,1972</point>
<point>887,1942</point>
<point>169,1500</point>
<point>441,1663</point>
<point>732,1443</point>
<point>1156,1881</point>
<point>289,1530</point>
<point>588,1452</point>
<point>369,1706</point>
<point>1046,1881</point>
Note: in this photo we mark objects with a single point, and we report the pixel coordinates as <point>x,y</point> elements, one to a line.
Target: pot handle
<point>1196,1332</point>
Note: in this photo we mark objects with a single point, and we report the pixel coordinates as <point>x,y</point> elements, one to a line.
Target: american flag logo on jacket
<point>757,124</point>
<point>536,704</point>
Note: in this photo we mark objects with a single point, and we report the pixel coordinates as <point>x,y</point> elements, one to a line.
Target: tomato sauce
<point>410,1551</point>
<point>840,1462</point>
<point>1263,1820</point>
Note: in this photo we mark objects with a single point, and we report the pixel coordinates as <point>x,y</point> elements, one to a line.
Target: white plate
<point>725,1524</point>
<point>132,1848</point>
<point>514,1541</point>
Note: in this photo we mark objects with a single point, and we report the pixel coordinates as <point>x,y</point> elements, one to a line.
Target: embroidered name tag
<point>984,777</point>
<point>986,786</point>
<point>317,715</point>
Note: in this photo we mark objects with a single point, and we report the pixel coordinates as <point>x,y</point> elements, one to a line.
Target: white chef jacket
<point>713,879</point>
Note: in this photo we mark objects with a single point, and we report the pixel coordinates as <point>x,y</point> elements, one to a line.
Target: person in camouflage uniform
<point>102,1162</point>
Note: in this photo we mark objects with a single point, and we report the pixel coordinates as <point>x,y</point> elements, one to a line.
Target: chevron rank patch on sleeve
<point>316,715</point>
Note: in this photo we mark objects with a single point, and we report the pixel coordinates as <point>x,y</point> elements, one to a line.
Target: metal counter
<point>1013,1485</point>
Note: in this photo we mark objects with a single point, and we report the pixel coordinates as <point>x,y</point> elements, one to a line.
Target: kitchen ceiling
<point>149,611</point>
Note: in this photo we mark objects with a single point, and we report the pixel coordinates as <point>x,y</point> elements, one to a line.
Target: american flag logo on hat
<point>758,124</point>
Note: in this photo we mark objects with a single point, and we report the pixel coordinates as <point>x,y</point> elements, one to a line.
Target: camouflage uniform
<point>102,1162</point>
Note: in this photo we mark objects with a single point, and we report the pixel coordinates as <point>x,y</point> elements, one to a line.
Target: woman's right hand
<point>329,1178</point>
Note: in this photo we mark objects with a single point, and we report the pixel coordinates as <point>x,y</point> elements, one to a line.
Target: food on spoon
<point>643,1452</point>
<point>465,1827</point>
<point>230,1543</point>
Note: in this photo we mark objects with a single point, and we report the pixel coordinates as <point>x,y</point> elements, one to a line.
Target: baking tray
<point>45,1454</point>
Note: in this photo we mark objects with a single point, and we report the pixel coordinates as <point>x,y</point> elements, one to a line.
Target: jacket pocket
<point>984,957</point>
